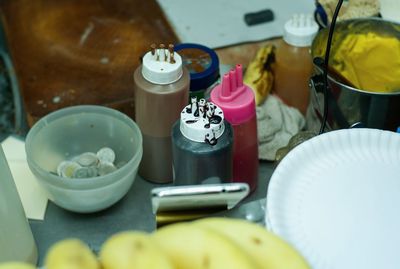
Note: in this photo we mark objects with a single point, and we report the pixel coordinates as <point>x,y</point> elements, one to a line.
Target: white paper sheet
<point>33,197</point>
<point>220,23</point>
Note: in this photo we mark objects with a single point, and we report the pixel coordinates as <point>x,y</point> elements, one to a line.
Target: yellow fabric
<point>369,61</point>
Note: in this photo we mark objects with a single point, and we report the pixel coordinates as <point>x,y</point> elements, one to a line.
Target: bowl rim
<point>83,183</point>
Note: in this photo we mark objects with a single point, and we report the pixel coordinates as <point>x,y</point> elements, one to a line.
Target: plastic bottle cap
<point>300,30</point>
<point>234,98</point>
<point>158,68</point>
<point>202,121</point>
<point>202,63</point>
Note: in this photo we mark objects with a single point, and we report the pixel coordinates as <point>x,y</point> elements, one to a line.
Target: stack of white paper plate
<point>336,199</point>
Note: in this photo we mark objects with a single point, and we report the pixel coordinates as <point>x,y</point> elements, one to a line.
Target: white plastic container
<point>16,239</point>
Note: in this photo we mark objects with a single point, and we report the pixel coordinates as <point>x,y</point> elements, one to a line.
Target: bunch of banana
<point>211,243</point>
<point>259,76</point>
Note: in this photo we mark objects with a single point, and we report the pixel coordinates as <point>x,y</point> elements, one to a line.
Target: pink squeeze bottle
<point>238,104</point>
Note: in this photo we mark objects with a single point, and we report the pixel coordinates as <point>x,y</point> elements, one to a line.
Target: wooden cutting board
<point>71,52</point>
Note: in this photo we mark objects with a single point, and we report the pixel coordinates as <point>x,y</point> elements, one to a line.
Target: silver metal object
<point>106,155</point>
<point>253,211</point>
<point>88,164</point>
<point>87,159</point>
<point>67,169</point>
<point>194,197</point>
<point>105,168</point>
<point>348,106</point>
<point>82,172</point>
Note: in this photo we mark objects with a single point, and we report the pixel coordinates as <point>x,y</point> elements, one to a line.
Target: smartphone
<point>198,197</point>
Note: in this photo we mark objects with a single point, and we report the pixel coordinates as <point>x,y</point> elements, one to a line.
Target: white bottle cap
<point>300,30</point>
<point>158,68</point>
<point>202,121</point>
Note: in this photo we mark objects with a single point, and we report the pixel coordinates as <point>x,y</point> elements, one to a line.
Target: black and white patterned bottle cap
<point>202,121</point>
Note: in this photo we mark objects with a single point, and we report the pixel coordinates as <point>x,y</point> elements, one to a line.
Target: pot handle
<point>317,83</point>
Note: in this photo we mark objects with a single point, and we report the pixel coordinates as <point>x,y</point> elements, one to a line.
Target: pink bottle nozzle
<point>232,75</point>
<point>226,86</point>
<point>232,84</point>
<point>235,98</point>
<point>239,75</point>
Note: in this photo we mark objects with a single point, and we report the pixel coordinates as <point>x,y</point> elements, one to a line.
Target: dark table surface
<point>72,52</point>
<point>133,212</point>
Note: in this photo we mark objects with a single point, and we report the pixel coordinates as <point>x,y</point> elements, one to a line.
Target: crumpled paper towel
<point>276,124</point>
<point>352,9</point>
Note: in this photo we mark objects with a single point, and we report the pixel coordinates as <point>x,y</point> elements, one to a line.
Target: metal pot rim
<point>348,22</point>
<point>347,87</point>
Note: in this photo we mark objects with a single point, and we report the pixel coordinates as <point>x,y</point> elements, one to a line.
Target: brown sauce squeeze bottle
<point>161,86</point>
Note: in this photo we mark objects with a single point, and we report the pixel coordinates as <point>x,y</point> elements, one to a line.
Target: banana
<point>16,265</point>
<point>71,254</point>
<point>131,249</point>
<point>195,247</point>
<point>259,76</point>
<point>266,249</point>
<point>210,243</point>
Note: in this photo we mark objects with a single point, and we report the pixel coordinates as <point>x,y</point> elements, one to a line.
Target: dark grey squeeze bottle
<point>202,145</point>
<point>161,87</point>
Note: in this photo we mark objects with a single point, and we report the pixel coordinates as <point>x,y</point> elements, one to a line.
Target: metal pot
<point>349,106</point>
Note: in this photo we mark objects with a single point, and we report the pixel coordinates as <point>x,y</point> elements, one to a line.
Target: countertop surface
<point>133,212</point>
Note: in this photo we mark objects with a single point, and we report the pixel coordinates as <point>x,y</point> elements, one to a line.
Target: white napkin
<point>276,124</point>
<point>33,197</point>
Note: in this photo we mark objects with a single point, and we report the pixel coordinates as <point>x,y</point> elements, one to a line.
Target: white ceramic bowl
<point>71,131</point>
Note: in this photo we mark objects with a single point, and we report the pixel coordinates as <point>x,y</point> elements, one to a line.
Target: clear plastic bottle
<point>293,62</point>
<point>238,104</point>
<point>161,87</point>
<point>16,239</point>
